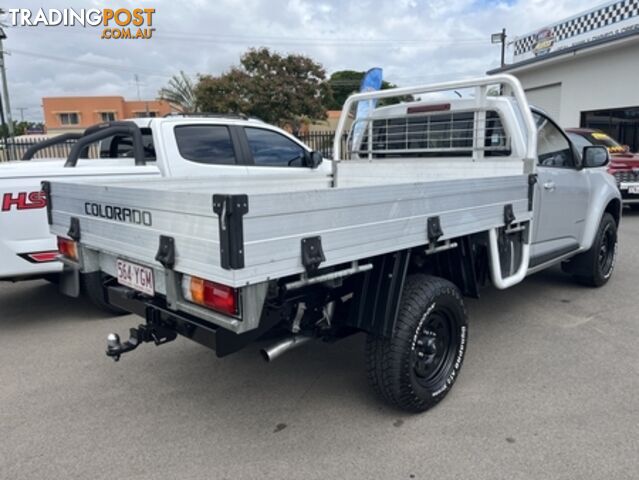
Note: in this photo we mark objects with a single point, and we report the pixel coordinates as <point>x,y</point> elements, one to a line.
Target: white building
<point>584,70</point>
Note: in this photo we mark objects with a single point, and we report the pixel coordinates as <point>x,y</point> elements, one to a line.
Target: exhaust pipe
<point>271,353</point>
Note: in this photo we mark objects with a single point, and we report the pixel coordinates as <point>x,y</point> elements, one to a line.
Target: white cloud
<point>413,40</point>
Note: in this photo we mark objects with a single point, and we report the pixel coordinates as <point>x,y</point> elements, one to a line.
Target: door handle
<point>550,186</point>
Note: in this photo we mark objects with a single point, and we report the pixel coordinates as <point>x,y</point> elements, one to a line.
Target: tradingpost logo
<point>121,23</point>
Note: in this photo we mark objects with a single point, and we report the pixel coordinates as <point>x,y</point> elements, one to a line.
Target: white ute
<point>432,199</point>
<point>174,146</point>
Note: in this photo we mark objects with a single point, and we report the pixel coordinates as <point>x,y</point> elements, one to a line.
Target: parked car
<point>432,199</point>
<point>624,165</point>
<point>176,146</point>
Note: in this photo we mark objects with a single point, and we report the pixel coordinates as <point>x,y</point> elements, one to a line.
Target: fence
<point>15,150</point>
<point>320,141</point>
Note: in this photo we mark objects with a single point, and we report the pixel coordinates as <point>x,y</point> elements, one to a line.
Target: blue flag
<point>372,81</point>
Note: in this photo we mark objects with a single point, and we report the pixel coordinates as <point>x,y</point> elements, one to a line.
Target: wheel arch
<point>379,291</point>
<point>606,202</point>
<point>614,208</point>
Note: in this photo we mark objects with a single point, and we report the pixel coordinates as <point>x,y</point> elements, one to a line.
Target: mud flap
<point>70,282</point>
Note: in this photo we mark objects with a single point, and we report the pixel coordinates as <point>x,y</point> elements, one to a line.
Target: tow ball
<point>143,334</point>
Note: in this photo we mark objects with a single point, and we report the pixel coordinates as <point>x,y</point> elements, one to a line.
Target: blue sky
<point>414,41</point>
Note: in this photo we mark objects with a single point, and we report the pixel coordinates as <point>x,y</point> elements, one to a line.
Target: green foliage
<point>19,128</point>
<point>278,89</point>
<point>180,93</point>
<point>346,82</point>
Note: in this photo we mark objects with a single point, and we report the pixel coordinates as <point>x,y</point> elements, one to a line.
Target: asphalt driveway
<point>549,390</point>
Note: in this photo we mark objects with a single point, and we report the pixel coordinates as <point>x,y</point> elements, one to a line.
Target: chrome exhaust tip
<point>280,348</point>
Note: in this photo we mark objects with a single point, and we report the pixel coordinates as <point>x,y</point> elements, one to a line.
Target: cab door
<point>273,152</point>
<point>202,148</point>
<point>561,200</point>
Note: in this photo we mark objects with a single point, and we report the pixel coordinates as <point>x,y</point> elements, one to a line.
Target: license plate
<point>135,276</point>
<point>633,189</point>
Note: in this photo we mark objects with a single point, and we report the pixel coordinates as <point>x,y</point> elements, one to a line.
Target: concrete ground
<point>549,390</point>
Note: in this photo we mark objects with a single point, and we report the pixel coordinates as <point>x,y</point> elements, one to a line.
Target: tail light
<point>67,248</point>
<point>41,257</point>
<point>210,294</point>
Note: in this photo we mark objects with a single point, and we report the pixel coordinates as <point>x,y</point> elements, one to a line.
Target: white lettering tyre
<point>416,367</point>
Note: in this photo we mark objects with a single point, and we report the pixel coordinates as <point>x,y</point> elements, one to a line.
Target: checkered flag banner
<point>605,17</point>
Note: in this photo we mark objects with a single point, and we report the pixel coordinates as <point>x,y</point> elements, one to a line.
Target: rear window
<point>121,146</point>
<point>584,139</point>
<point>210,144</point>
<point>600,138</point>
<point>447,134</point>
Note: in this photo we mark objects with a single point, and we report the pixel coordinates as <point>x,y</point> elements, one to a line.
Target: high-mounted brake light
<point>210,294</point>
<point>440,107</point>
<point>67,248</point>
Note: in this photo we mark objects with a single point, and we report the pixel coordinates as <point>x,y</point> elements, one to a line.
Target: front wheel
<point>416,367</point>
<point>594,267</point>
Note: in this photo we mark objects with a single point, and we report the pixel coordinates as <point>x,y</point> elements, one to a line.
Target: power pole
<point>4,132</point>
<point>500,38</point>
<point>5,91</point>
<point>137,85</point>
<point>503,47</point>
<point>22,109</point>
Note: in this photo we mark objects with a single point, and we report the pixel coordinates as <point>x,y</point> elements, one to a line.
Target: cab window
<point>209,144</point>
<point>553,148</point>
<point>121,146</point>
<point>579,141</point>
<point>272,149</point>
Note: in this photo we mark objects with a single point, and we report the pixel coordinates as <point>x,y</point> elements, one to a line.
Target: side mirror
<point>595,156</point>
<point>314,159</point>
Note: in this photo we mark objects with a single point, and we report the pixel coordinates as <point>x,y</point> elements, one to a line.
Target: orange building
<point>68,114</point>
<point>330,123</point>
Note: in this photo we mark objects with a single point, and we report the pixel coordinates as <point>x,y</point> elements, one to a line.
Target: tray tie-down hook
<point>143,334</point>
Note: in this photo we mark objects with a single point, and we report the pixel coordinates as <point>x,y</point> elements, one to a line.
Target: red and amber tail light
<point>68,248</point>
<point>211,295</point>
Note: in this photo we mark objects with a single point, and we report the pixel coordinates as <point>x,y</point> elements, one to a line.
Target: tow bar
<point>143,334</point>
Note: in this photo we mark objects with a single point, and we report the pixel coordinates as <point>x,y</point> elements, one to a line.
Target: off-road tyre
<point>595,267</point>
<point>416,367</point>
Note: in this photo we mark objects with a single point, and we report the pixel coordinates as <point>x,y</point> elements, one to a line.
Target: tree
<point>19,128</point>
<point>278,89</point>
<point>347,82</point>
<point>180,93</point>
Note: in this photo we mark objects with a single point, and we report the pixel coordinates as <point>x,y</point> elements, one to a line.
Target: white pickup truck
<point>175,146</point>
<point>433,199</point>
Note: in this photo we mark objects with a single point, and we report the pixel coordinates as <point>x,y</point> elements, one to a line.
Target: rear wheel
<point>415,368</point>
<point>93,288</point>
<point>594,267</point>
